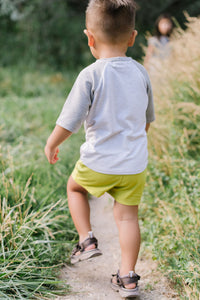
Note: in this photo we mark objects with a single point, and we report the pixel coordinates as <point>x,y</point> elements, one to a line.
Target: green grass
<point>170,212</point>
<point>170,223</point>
<point>36,231</point>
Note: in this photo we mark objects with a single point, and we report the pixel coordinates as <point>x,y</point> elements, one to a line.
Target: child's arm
<point>58,135</point>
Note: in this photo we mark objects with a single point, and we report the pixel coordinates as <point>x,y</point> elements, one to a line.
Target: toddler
<point>113,97</point>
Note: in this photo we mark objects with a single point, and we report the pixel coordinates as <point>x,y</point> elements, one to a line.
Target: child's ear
<point>90,38</point>
<point>132,38</point>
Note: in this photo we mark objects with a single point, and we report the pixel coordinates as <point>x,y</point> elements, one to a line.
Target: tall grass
<point>171,212</point>
<point>35,229</point>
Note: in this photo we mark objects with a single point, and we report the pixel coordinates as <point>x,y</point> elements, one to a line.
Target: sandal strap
<point>89,241</point>
<point>76,249</point>
<point>124,280</point>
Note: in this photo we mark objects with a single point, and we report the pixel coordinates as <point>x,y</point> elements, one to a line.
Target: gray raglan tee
<point>113,97</point>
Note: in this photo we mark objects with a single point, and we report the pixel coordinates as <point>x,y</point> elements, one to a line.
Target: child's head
<point>112,21</point>
<point>164,25</point>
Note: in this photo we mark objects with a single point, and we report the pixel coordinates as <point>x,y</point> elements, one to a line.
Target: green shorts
<point>125,189</point>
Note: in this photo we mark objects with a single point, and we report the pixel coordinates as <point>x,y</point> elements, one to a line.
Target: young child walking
<point>113,97</point>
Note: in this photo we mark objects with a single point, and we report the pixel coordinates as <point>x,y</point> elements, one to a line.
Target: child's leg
<point>79,209</point>
<point>126,218</point>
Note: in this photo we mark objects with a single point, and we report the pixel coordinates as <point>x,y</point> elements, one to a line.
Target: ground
<point>91,279</point>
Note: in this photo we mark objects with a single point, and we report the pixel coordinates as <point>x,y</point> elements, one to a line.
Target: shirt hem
<point>138,171</point>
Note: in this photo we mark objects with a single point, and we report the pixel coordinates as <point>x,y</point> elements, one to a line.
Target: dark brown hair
<point>115,18</point>
<point>163,16</point>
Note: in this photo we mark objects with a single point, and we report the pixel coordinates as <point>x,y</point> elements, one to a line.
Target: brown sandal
<point>119,286</point>
<point>85,254</point>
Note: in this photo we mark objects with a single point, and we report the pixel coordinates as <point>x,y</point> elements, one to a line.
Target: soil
<point>90,280</point>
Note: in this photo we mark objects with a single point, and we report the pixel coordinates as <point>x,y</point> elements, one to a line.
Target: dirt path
<point>91,279</point>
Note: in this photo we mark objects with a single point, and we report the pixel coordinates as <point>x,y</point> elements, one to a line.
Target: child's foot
<point>127,286</point>
<point>85,250</point>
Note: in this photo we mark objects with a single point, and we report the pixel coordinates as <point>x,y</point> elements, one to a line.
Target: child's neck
<point>111,51</point>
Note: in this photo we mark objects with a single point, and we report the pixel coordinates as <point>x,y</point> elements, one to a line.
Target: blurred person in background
<point>158,45</point>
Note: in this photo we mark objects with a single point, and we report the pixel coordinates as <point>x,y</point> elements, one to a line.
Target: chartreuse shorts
<point>125,189</point>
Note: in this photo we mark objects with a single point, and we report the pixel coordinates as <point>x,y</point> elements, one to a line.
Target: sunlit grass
<point>36,231</point>
<point>171,209</point>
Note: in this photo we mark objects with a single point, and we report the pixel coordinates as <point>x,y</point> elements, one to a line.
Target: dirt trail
<point>91,279</point>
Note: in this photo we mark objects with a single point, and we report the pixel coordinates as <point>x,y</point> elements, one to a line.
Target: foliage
<point>49,32</point>
<point>36,232</point>
<point>46,32</point>
<point>170,214</point>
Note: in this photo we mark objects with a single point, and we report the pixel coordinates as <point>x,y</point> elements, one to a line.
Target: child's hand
<point>52,155</point>
<point>58,135</point>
